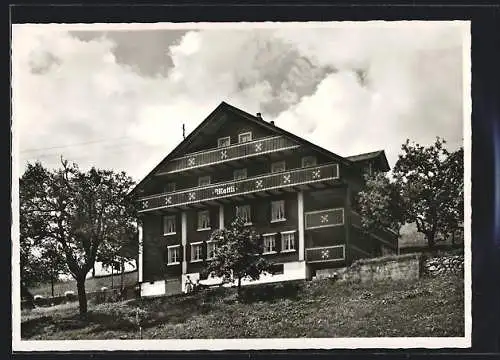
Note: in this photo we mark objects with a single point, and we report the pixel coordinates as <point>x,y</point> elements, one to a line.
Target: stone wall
<point>392,267</point>
<point>439,265</point>
<point>396,267</point>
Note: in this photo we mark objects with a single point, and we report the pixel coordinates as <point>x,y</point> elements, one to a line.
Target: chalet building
<point>298,195</point>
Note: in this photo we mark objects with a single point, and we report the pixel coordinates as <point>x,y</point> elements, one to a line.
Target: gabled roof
<point>224,107</point>
<point>378,155</point>
<point>365,156</point>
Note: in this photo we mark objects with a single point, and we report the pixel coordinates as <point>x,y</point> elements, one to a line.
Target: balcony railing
<point>240,187</point>
<point>229,153</point>
<point>325,254</point>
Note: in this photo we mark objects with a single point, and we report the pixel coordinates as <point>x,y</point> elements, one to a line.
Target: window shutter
<point>187,249</point>
<point>181,253</point>
<point>294,241</point>
<point>277,241</point>
<point>204,250</point>
<point>165,256</point>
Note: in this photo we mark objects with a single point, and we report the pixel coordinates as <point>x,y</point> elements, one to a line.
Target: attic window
<point>308,161</point>
<point>204,180</point>
<point>278,166</point>
<point>224,141</point>
<point>169,187</point>
<point>369,169</point>
<point>245,137</point>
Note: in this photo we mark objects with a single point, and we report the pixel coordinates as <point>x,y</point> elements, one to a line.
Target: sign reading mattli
<point>225,190</point>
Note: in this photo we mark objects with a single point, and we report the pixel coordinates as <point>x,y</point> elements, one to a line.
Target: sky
<point>117,99</point>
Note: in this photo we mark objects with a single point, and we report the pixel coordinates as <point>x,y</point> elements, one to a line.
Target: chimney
<point>271,122</point>
<point>259,115</point>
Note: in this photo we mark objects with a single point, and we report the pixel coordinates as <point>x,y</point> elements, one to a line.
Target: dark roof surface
<point>365,156</point>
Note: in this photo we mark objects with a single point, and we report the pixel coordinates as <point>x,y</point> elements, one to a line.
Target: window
<point>196,252</point>
<point>308,161</point>
<point>278,211</point>
<point>224,141</point>
<point>277,269</point>
<point>269,244</point>
<point>243,211</point>
<point>278,166</point>
<point>244,137</point>
<point>174,254</point>
<point>204,220</point>
<point>169,225</point>
<point>240,174</point>
<point>204,180</point>
<point>288,241</point>
<point>170,187</point>
<point>211,247</point>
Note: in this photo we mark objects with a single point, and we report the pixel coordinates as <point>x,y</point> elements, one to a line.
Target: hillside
<point>322,308</point>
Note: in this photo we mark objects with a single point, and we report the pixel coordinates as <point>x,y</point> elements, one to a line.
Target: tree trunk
<point>52,284</point>
<point>431,239</point>
<point>93,270</point>
<point>239,287</point>
<point>28,296</point>
<point>82,296</point>
<point>112,269</point>
<point>122,275</point>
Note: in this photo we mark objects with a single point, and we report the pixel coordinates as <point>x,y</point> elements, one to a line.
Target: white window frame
<point>278,163</point>
<point>311,157</point>
<point>196,245</point>
<point>244,170</point>
<point>204,177</point>
<point>249,213</point>
<point>245,134</point>
<point>199,222</point>
<point>222,139</point>
<point>273,220</point>
<point>177,257</point>
<point>166,219</point>
<point>211,243</point>
<point>284,235</point>
<point>269,236</point>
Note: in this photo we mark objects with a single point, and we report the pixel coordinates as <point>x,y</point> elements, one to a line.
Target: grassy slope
<point>427,307</point>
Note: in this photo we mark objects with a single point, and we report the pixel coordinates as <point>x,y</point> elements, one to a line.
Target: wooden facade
<point>296,194</point>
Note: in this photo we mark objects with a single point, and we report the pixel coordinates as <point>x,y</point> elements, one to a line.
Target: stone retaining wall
<point>396,267</point>
<point>392,267</point>
<point>439,265</point>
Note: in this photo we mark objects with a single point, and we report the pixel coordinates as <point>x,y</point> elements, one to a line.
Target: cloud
<point>411,87</point>
<point>347,89</point>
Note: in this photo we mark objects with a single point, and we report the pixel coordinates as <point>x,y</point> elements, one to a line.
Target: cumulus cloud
<point>347,89</point>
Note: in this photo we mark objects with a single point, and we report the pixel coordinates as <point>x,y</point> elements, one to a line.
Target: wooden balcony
<point>228,153</point>
<point>325,254</point>
<point>256,184</point>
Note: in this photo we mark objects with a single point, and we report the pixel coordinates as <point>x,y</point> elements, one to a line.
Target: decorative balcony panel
<point>240,187</point>
<point>326,254</point>
<point>228,153</point>
<point>324,218</point>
